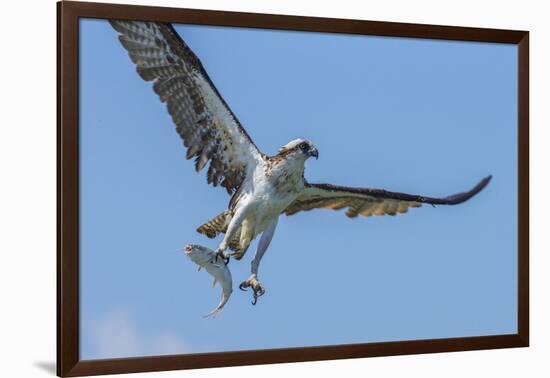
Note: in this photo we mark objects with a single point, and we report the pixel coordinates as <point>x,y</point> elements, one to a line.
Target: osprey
<point>261,187</point>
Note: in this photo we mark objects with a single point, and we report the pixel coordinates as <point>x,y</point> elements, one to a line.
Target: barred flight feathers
<point>367,202</point>
<point>208,127</point>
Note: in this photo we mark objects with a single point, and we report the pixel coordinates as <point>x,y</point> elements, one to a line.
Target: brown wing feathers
<point>454,199</point>
<point>179,79</point>
<point>367,202</point>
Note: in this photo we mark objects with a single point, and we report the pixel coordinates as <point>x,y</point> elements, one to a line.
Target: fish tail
<point>217,310</point>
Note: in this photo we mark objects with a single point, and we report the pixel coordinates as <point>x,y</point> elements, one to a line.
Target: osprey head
<point>300,148</point>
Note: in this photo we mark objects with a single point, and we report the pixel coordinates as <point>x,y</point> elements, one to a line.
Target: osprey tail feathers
<point>218,225</point>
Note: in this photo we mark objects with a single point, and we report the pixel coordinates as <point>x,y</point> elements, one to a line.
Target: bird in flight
<point>261,187</point>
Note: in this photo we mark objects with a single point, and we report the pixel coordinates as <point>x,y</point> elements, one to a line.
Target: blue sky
<point>418,116</point>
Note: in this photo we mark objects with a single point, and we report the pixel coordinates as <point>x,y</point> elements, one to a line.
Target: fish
<point>206,258</point>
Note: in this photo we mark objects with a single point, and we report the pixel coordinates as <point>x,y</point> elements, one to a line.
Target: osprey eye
<point>304,146</point>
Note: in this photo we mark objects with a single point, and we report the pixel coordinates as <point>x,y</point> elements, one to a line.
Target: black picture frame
<point>68,361</point>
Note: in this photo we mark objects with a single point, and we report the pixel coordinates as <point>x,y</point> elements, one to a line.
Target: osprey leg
<point>232,228</point>
<point>252,281</point>
<point>245,236</point>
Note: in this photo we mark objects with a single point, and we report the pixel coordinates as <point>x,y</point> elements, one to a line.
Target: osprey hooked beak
<point>314,152</point>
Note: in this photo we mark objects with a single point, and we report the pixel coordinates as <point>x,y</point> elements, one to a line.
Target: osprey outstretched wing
<point>208,127</point>
<point>367,202</point>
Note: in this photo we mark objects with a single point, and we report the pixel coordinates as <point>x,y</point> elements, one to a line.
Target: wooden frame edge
<point>67,190</point>
<point>262,357</point>
<point>288,22</point>
<point>523,188</point>
<point>68,363</point>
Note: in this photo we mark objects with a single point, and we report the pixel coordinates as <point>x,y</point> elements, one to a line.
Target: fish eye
<point>303,146</point>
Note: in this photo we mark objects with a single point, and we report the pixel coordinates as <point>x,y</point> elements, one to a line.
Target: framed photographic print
<point>350,188</point>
